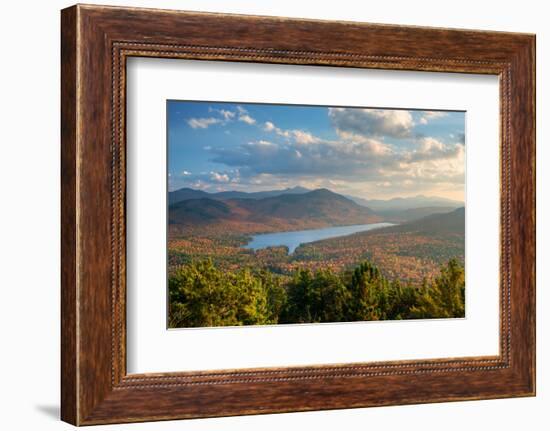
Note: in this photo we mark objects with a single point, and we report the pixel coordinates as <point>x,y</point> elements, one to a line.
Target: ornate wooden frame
<point>95,42</point>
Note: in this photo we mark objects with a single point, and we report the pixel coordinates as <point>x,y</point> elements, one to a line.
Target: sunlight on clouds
<point>372,122</point>
<point>428,116</point>
<point>302,137</point>
<point>354,158</point>
<point>269,126</point>
<point>369,152</point>
<point>219,178</point>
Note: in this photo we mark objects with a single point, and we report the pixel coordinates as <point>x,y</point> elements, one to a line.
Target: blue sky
<point>368,152</point>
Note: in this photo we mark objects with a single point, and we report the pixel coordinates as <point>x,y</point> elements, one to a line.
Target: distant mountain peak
<point>286,211</point>
<point>406,203</point>
<point>449,223</point>
<point>298,189</point>
<point>322,191</point>
<point>187,193</point>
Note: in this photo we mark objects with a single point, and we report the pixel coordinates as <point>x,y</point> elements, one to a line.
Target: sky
<point>372,153</point>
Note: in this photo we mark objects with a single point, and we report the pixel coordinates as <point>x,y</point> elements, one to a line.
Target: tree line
<point>201,295</point>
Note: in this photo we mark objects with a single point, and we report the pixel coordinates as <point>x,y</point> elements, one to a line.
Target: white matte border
<point>153,348</point>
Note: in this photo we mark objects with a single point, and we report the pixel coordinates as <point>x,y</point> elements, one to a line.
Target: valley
<point>219,226</point>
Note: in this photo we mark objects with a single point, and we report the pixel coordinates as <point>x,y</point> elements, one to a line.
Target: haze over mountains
<point>320,206</point>
<point>409,214</point>
<point>419,201</point>
<point>448,223</point>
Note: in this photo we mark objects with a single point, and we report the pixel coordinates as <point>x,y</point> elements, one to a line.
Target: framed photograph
<point>264,214</point>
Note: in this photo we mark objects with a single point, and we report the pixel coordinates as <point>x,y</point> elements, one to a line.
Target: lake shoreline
<point>293,239</point>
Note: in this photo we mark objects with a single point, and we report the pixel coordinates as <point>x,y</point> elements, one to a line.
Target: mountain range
<point>448,223</point>
<point>187,193</point>
<point>397,210</point>
<point>412,202</point>
<point>410,214</point>
<point>290,211</point>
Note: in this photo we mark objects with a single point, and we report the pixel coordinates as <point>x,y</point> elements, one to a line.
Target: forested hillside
<point>291,211</point>
<point>203,295</point>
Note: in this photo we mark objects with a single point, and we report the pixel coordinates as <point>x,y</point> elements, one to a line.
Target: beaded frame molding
<point>95,43</point>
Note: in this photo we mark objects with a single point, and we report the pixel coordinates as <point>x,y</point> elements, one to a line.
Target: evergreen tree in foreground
<point>444,298</point>
<point>202,295</point>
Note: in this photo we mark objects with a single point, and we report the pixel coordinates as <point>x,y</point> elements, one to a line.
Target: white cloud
<point>263,143</point>
<point>219,178</point>
<point>300,136</point>
<point>244,117</point>
<point>428,116</point>
<point>202,123</point>
<point>372,122</point>
<point>270,127</point>
<point>431,144</point>
<point>306,154</point>
<point>303,137</point>
<point>353,159</point>
<point>227,115</point>
<point>363,143</point>
<point>358,160</point>
<point>433,149</point>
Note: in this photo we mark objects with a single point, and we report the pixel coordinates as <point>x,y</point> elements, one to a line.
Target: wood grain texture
<point>69,367</point>
<point>96,41</point>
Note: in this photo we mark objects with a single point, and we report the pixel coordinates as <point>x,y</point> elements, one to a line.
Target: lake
<point>293,239</point>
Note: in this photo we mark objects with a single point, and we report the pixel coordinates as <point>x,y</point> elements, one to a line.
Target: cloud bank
<point>370,150</point>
